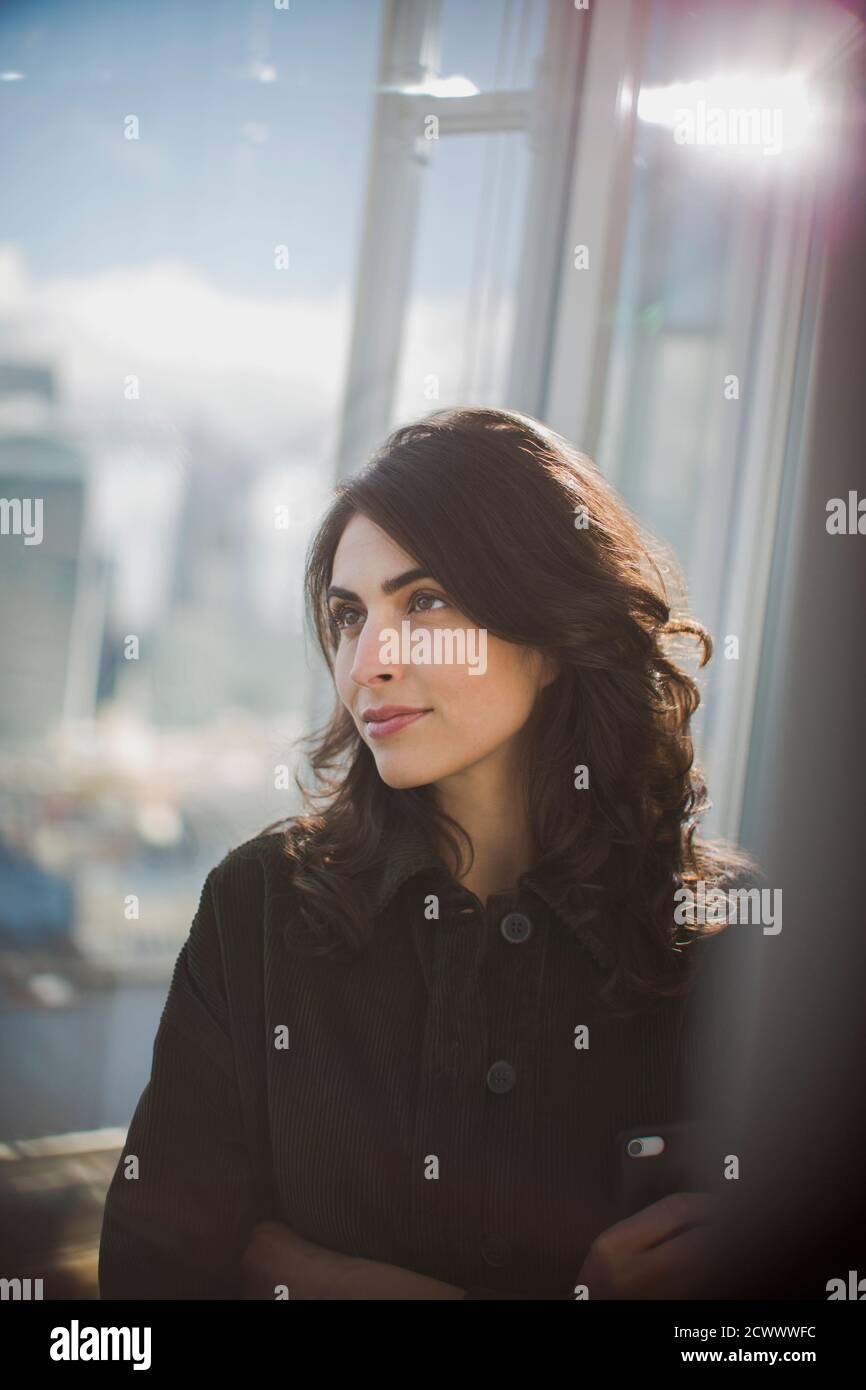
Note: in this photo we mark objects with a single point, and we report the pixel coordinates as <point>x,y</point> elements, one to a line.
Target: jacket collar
<point>410,853</point>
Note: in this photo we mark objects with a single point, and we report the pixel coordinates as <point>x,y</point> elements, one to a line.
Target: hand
<point>651,1255</point>
<point>276,1255</point>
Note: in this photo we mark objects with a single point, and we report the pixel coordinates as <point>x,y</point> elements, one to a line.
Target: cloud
<point>258,371</point>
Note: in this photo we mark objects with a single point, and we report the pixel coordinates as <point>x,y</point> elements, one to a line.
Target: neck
<point>482,799</point>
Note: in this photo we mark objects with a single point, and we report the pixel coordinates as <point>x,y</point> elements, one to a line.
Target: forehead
<point>364,549</point>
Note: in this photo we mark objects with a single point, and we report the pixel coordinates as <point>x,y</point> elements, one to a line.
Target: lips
<point>390,719</point>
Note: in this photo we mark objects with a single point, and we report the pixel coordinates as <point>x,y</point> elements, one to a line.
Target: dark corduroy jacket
<point>425,1105</point>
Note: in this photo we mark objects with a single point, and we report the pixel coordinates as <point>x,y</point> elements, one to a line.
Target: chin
<point>401,775</point>
<point>400,769</point>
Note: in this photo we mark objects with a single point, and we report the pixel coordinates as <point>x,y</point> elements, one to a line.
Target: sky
<point>156,255</point>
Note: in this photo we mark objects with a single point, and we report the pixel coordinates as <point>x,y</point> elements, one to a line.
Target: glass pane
<point>175,303</point>
<point>493,43</point>
<point>670,313</point>
<point>460,315</point>
<point>696,238</point>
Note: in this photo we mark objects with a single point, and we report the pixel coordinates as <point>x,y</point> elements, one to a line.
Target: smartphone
<point>655,1160</point>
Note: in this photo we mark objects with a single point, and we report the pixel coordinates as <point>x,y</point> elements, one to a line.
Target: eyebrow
<point>389,586</point>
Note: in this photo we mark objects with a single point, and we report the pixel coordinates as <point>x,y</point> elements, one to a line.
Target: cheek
<point>342,672</point>
<point>490,706</point>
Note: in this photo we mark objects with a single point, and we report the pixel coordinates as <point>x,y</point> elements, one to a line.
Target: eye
<point>340,611</point>
<point>434,598</point>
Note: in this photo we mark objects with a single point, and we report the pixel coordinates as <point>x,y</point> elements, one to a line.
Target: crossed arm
<point>182,1214</point>
<point>276,1256</point>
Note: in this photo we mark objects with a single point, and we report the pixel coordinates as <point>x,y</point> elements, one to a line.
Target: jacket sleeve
<point>717,1043</point>
<point>478,1291</point>
<point>177,1219</point>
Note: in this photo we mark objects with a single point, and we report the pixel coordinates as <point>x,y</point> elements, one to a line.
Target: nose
<point>373,663</point>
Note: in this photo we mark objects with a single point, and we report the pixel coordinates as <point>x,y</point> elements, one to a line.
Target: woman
<point>407,1027</point>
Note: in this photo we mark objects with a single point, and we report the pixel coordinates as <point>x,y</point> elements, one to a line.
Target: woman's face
<point>469,718</point>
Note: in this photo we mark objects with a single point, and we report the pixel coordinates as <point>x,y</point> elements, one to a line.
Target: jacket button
<point>496,1251</point>
<point>515,926</point>
<point>501,1077</point>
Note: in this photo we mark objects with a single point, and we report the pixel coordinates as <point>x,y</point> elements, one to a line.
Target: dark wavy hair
<point>530,542</point>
